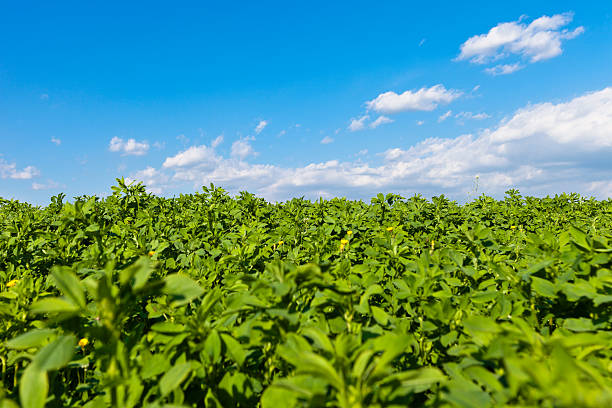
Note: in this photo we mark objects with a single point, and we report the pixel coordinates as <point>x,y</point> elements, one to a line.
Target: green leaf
<point>174,377</point>
<point>579,325</point>
<point>212,346</point>
<point>69,284</point>
<point>417,379</point>
<point>168,327</point>
<point>234,348</point>
<point>53,305</point>
<point>543,287</point>
<point>380,315</point>
<point>33,387</point>
<point>315,365</point>
<point>580,238</point>
<point>181,289</point>
<point>7,403</point>
<point>56,354</point>
<point>319,338</point>
<point>33,338</point>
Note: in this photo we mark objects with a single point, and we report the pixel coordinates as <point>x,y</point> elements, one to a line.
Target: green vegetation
<point>209,300</point>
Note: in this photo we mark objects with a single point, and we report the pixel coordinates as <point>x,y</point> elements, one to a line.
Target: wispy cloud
<point>358,124</point>
<point>327,140</point>
<point>445,116</point>
<point>424,99</point>
<point>363,123</point>
<point>128,147</point>
<point>381,120</point>
<point>504,69</point>
<point>261,126</point>
<point>56,141</point>
<point>49,185</point>
<point>471,115</point>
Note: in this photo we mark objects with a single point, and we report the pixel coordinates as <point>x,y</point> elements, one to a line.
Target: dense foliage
<point>208,300</point>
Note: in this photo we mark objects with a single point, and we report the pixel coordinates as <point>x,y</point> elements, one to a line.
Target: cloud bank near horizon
<point>541,149</point>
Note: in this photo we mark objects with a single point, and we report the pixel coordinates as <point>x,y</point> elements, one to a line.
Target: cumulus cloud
<point>242,149</point>
<point>537,41</point>
<point>194,154</point>
<point>424,99</point>
<point>128,147</point>
<point>9,170</point>
<point>584,122</point>
<point>156,181</point>
<point>541,149</point>
<point>260,126</point>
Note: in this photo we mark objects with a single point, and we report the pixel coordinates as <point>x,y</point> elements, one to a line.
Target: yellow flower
<point>389,229</point>
<point>344,241</point>
<point>341,247</point>
<point>83,342</point>
<point>513,227</point>
<point>280,242</point>
<point>151,253</point>
<point>12,283</point>
<point>349,232</point>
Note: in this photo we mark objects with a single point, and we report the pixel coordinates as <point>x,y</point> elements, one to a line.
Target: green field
<point>211,300</point>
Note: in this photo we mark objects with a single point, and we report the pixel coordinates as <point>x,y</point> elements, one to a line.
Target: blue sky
<point>316,99</point>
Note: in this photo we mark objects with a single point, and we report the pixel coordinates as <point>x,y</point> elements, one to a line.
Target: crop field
<point>209,300</point>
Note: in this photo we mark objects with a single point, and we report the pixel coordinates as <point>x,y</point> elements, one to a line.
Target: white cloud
<point>49,185</point>
<point>425,99</point>
<point>193,155</point>
<point>584,122</point>
<point>56,141</point>
<point>260,126</point>
<point>358,124</point>
<point>9,170</point>
<point>541,149</point>
<point>381,120</point>
<point>420,122</point>
<point>155,181</point>
<point>44,97</point>
<point>242,149</point>
<point>537,41</point>
<point>218,140</point>
<point>128,147</point>
<point>445,116</point>
<point>327,140</point>
<point>504,69</point>
<point>470,115</point>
